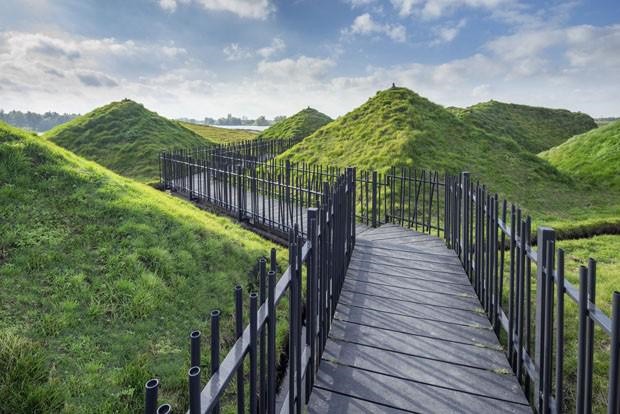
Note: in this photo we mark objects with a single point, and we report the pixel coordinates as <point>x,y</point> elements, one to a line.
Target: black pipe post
<point>239,333</point>
<point>194,346</point>
<point>614,368</point>
<point>150,400</point>
<point>581,355</point>
<point>164,409</point>
<point>271,342</point>
<point>215,348</point>
<point>374,199</point>
<point>262,372</point>
<point>194,390</point>
<point>253,353</point>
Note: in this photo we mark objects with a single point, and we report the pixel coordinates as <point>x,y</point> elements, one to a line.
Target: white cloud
<point>277,45</point>
<point>447,34</point>
<point>364,24</point>
<point>251,9</point>
<point>360,3</point>
<point>432,9</point>
<point>303,68</point>
<point>234,51</point>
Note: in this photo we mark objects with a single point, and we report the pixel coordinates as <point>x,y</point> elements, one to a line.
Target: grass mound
<point>535,129</point>
<point>593,157</point>
<point>106,276</point>
<point>220,135</point>
<point>298,126</point>
<point>397,127</point>
<point>125,137</point>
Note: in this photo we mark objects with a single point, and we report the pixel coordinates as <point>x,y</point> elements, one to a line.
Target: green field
<point>220,135</point>
<point>593,157</point>
<point>298,126</point>
<point>101,279</point>
<point>124,137</point>
<point>535,129</point>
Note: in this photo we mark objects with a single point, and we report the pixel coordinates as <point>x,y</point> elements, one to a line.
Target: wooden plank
<point>412,256</point>
<point>408,395</point>
<point>391,306</point>
<point>323,401</point>
<point>420,346</point>
<point>409,282</point>
<point>466,303</point>
<point>472,334</point>
<point>471,380</point>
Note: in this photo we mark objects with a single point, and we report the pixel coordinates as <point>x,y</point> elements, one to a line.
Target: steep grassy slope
<point>125,137</point>
<point>220,135</point>
<point>535,129</point>
<point>593,157</point>
<point>300,125</point>
<point>398,127</point>
<point>101,278</point>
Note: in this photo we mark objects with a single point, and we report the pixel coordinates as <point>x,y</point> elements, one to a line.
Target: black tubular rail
<point>530,317</point>
<point>326,250</point>
<point>273,195</point>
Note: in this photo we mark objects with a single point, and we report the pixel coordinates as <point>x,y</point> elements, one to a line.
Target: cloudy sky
<point>268,57</point>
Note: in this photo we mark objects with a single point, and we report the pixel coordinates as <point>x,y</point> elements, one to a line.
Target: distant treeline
<point>605,121</point>
<point>33,121</point>
<point>233,120</point>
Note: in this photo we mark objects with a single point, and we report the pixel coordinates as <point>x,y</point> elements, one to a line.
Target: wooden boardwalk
<point>409,335</point>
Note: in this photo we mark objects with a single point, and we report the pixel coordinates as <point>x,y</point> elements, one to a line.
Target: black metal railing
<point>494,244</point>
<point>274,194</point>
<point>326,250</point>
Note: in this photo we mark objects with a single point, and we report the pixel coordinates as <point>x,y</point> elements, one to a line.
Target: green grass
<point>593,157</point>
<point>535,129</point>
<point>220,135</point>
<point>101,280</point>
<point>298,126</point>
<point>400,128</point>
<point>124,137</point>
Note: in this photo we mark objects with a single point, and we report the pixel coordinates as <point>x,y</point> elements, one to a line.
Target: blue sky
<point>200,58</point>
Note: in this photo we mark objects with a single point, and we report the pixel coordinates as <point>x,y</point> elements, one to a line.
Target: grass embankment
<point>124,137</point>
<point>397,127</point>
<point>535,129</point>
<point>593,157</point>
<point>298,126</point>
<point>221,135</point>
<point>101,279</point>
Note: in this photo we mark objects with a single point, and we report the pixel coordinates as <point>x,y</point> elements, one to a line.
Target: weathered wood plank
<point>472,380</point>
<point>408,395</point>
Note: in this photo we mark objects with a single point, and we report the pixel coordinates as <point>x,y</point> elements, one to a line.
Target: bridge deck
<point>409,335</point>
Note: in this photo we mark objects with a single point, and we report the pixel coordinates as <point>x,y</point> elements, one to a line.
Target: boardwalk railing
<point>493,243</point>
<point>274,194</point>
<point>326,250</point>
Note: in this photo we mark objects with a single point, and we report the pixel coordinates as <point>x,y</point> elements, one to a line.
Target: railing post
<point>374,199</point>
<point>614,367</point>
<point>465,221</point>
<point>311,294</point>
<point>240,194</point>
<point>271,338</point>
<point>238,334</point>
<point>545,235</point>
<point>150,400</point>
<point>215,353</point>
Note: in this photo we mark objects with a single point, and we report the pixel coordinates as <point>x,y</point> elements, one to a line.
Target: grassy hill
<point>220,135</point>
<point>397,127</point>
<point>593,157</point>
<point>101,279</point>
<point>534,128</point>
<point>125,137</point>
<point>298,126</point>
